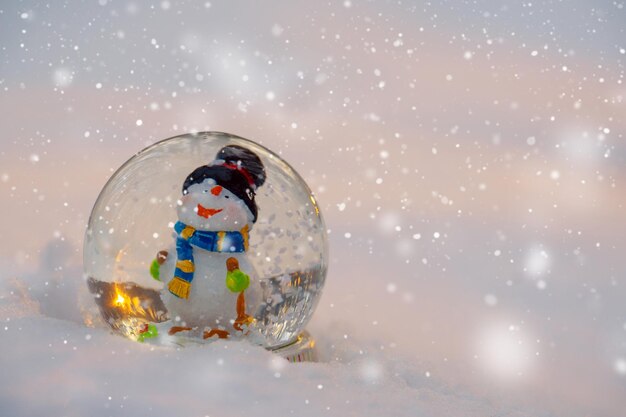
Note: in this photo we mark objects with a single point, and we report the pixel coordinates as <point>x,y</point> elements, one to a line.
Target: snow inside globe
<point>207,236</point>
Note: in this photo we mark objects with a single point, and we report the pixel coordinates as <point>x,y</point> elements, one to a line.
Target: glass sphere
<point>163,233</point>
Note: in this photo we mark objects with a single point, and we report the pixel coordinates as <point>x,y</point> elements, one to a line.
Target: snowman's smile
<point>207,212</point>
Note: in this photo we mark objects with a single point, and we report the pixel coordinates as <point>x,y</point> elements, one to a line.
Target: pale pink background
<point>469,160</point>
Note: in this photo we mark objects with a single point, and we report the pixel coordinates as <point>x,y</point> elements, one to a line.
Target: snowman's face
<point>208,206</point>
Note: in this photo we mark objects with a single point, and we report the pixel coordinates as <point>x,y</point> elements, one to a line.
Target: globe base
<point>301,350</point>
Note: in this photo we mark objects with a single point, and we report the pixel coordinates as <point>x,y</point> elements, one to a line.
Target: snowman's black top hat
<point>235,168</point>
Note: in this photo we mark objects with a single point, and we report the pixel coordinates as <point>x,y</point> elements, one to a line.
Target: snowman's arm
<point>155,267</point>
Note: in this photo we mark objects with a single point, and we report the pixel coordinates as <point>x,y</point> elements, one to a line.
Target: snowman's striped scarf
<point>188,237</point>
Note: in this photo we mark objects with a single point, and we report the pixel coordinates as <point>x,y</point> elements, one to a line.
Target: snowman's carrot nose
<point>216,190</point>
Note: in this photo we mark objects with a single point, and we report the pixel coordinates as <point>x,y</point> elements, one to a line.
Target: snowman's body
<point>215,213</point>
<point>210,304</point>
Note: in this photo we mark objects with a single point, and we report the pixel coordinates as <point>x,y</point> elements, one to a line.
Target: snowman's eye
<point>226,196</point>
<point>205,191</point>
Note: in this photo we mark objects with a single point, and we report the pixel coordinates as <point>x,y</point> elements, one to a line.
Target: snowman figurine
<point>208,291</point>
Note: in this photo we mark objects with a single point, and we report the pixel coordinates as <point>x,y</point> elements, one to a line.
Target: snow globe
<point>207,236</point>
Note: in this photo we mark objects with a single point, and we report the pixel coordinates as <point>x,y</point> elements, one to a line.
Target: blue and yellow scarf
<point>188,237</point>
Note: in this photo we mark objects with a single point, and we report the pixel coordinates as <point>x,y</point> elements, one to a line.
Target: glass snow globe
<point>206,236</point>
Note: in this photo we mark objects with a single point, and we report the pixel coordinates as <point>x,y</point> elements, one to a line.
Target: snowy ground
<point>59,367</point>
<point>62,368</point>
<point>469,159</point>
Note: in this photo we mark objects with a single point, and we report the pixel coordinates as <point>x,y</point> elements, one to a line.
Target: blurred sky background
<point>468,156</point>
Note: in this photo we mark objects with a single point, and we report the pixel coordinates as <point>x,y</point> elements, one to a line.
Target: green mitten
<point>155,266</point>
<point>155,270</point>
<point>237,281</point>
